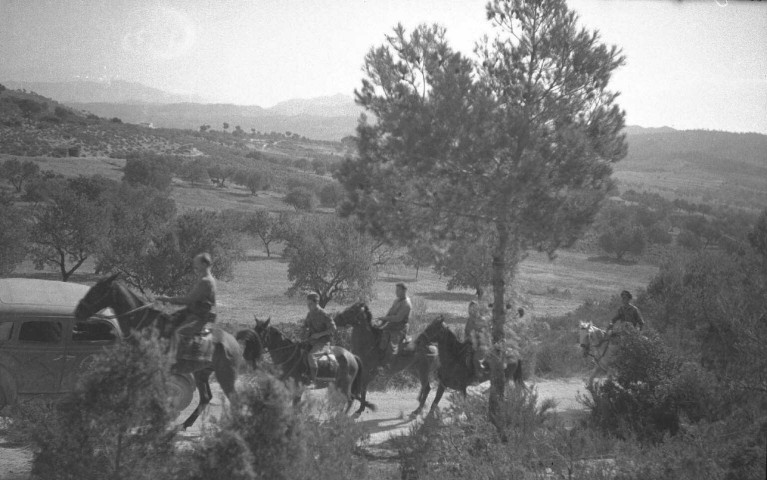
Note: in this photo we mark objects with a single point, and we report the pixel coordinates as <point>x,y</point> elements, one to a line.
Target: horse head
<point>357,315</point>
<point>262,328</point>
<point>435,330</point>
<point>98,297</point>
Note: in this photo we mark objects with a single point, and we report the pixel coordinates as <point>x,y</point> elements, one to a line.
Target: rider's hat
<point>626,294</point>
<point>401,285</point>
<point>313,296</point>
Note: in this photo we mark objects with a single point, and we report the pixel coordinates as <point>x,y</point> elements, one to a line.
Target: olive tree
<point>329,256</point>
<point>515,145</point>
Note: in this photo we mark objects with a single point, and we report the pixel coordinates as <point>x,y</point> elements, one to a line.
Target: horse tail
<point>359,383</point>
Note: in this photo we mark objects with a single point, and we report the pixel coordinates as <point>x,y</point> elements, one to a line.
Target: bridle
<point>92,306</point>
<point>296,351</point>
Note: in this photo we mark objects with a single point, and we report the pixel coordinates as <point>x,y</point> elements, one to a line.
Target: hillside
<point>709,166</point>
<point>116,91</point>
<point>701,166</point>
<point>72,143</point>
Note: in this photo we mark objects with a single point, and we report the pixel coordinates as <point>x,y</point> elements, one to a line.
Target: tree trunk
<point>497,379</point>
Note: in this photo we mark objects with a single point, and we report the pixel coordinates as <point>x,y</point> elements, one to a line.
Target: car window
<point>40,331</point>
<point>6,330</point>
<point>94,332</point>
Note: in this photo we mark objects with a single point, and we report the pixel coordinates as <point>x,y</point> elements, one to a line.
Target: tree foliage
<point>67,228</point>
<point>14,234</point>
<point>153,171</point>
<point>301,198</point>
<point>263,225</point>
<point>329,256</point>
<point>166,266</point>
<point>623,238</point>
<point>517,144</point>
<point>141,216</point>
<point>17,173</point>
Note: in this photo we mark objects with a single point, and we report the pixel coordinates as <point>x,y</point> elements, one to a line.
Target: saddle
<point>327,365</point>
<point>198,347</point>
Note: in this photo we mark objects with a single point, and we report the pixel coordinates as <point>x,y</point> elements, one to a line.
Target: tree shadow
<point>612,260</point>
<point>76,277</point>
<point>447,296</point>
<point>396,279</point>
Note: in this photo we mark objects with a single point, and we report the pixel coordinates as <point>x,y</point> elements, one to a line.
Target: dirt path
<point>391,419</point>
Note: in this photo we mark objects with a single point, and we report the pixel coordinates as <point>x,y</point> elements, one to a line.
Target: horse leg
<point>437,397</point>
<point>203,389</point>
<point>423,374</point>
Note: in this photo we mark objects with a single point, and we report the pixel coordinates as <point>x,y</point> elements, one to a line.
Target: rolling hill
<point>698,165</point>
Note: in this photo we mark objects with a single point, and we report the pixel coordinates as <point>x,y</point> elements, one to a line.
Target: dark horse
<point>456,370</point>
<point>291,358</point>
<point>366,337</point>
<point>134,315</point>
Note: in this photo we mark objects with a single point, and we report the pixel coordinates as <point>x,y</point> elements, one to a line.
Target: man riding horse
<point>198,303</point>
<point>627,314</point>
<point>395,323</point>
<point>318,332</point>
<point>477,331</point>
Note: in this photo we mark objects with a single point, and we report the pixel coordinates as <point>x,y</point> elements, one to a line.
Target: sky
<point>690,64</point>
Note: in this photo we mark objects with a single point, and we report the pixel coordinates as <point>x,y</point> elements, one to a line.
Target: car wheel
<point>180,391</point>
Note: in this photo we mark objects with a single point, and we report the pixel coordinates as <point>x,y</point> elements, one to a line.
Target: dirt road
<point>389,420</point>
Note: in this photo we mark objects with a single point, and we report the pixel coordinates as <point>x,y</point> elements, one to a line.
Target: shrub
<point>462,444</point>
<point>268,436</point>
<point>112,426</point>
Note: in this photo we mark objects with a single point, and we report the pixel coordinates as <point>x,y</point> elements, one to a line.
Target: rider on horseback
<point>318,332</point>
<point>476,331</point>
<point>627,314</point>
<point>198,302</point>
<point>394,324</point>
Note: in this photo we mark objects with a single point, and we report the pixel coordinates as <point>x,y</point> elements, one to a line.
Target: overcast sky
<point>689,64</point>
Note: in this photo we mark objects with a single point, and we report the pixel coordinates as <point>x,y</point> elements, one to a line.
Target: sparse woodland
<point>471,166</point>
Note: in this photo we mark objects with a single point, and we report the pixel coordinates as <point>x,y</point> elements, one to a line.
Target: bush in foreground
<point>114,425</point>
<point>267,436</point>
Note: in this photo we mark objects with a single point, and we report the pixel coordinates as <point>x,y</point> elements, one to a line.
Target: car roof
<point>32,295</point>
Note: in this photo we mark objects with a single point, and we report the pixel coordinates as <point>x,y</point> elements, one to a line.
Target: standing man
<point>394,324</point>
<point>318,330</point>
<point>198,302</point>
<point>627,313</point>
<point>476,331</point>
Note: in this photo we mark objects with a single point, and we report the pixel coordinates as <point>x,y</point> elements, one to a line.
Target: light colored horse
<point>600,346</point>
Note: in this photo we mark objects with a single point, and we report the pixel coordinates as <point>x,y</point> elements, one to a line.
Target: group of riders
<point>319,328</point>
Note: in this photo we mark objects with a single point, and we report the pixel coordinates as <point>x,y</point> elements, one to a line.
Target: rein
<point>296,351</point>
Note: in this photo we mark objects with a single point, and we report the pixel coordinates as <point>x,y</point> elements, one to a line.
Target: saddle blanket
<point>198,348</point>
<point>327,367</point>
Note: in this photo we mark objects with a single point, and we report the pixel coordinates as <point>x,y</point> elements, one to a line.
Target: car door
<point>39,352</point>
<point>87,339</point>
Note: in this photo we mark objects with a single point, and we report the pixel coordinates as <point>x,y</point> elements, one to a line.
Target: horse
<point>456,369</point>
<point>600,346</point>
<point>291,358</point>
<point>366,339</point>
<point>133,314</point>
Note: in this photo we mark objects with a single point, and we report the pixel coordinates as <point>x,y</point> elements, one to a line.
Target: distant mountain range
<point>116,91</point>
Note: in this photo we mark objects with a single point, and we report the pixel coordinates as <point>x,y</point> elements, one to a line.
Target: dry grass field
<point>544,287</point>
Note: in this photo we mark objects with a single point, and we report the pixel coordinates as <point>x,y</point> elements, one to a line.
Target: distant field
<point>546,288</point>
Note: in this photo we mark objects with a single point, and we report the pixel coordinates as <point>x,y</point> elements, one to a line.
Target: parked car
<point>44,350</point>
